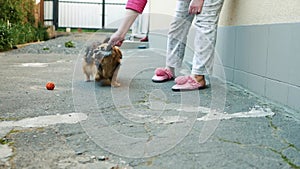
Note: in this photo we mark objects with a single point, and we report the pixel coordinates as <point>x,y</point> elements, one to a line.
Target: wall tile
<point>294,63</point>
<point>277,91</point>
<point>251,49</point>
<point>229,73</point>
<point>224,73</point>
<point>242,49</point>
<point>279,54</point>
<point>240,78</point>
<point>226,45</point>
<point>257,84</point>
<point>294,97</point>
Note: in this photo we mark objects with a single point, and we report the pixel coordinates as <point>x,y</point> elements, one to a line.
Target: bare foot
<point>200,79</point>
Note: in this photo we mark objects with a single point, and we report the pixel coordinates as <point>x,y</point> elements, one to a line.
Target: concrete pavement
<point>140,125</point>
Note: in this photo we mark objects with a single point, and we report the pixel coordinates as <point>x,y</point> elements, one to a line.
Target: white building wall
<point>257,12</point>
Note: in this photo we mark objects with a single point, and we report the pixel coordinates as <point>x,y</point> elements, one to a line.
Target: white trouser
<point>205,37</point>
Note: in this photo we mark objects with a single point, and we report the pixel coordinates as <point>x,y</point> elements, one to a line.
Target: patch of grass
<point>4,141</point>
<point>8,119</point>
<point>69,44</point>
<point>14,131</point>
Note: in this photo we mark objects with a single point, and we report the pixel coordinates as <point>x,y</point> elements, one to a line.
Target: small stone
<point>102,158</point>
<point>79,153</point>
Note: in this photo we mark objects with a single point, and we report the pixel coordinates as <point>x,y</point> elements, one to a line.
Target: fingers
<point>195,10</point>
<point>115,41</point>
<point>119,43</point>
<point>196,6</point>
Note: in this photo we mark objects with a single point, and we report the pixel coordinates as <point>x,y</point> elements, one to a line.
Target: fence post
<point>41,12</point>
<point>103,14</point>
<point>55,13</point>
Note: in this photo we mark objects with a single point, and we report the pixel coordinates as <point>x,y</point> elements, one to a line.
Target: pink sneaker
<point>162,75</point>
<point>186,83</point>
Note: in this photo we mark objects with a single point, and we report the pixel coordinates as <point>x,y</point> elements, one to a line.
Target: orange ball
<point>50,85</point>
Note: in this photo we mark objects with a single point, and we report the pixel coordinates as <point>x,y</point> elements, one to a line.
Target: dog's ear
<point>96,51</point>
<point>118,51</point>
<point>103,47</point>
<point>101,52</point>
<point>97,54</point>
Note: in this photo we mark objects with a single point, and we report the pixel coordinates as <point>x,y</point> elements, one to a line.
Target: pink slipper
<point>186,83</point>
<point>162,75</point>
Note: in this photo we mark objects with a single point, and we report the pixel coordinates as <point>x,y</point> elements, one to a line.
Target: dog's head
<point>109,60</point>
<point>89,56</point>
<point>102,52</point>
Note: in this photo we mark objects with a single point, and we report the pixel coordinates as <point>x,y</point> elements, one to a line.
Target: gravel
<point>57,45</point>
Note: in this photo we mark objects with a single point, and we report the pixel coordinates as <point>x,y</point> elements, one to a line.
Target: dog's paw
<point>97,78</point>
<point>87,78</point>
<point>115,84</point>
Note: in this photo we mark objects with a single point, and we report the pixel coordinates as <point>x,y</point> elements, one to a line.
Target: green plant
<point>6,37</point>
<point>4,141</point>
<point>17,11</point>
<point>11,11</point>
<point>69,44</point>
<point>41,32</point>
<point>18,25</point>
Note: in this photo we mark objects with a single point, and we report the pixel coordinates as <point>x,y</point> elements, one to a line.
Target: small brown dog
<point>101,63</point>
<point>109,65</point>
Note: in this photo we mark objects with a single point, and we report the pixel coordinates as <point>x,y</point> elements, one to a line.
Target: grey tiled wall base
<point>264,59</point>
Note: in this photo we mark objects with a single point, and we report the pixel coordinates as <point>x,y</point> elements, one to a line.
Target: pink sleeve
<point>136,5</point>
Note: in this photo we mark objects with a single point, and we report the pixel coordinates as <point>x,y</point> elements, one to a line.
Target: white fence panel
<point>48,13</point>
<point>114,14</point>
<point>88,14</point>
<point>79,15</point>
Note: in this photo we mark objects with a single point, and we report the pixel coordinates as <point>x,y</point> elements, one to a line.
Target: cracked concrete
<point>140,125</point>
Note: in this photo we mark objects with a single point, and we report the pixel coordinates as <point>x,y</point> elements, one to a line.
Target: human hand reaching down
<point>116,39</point>
<point>196,6</point>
